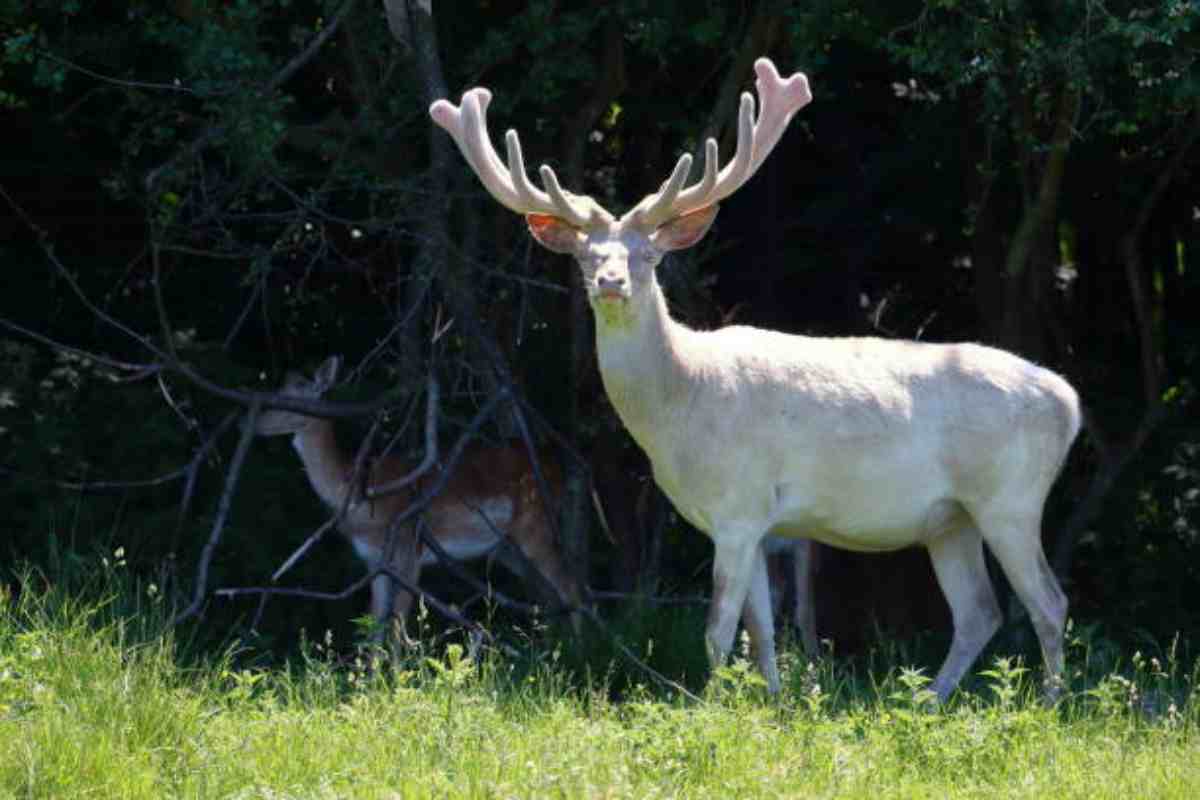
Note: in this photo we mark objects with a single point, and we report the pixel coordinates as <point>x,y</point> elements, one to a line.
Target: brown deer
<point>489,506</point>
<point>860,443</point>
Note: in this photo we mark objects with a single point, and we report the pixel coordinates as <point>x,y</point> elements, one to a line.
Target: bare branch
<point>633,659</point>
<point>431,448</point>
<point>456,568</point>
<point>276,591</point>
<point>657,600</point>
<point>139,370</point>
<point>312,539</point>
<point>310,51</point>
<point>360,459</point>
<point>210,547</point>
<point>99,486</point>
<point>176,87</point>
<point>420,504</point>
<point>193,472</point>
<point>1039,214</point>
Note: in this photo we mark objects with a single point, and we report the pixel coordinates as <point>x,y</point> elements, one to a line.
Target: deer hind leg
<point>536,560</point>
<point>1016,542</point>
<point>539,561</point>
<point>804,617</point>
<point>759,620</point>
<point>958,563</point>
<point>391,602</point>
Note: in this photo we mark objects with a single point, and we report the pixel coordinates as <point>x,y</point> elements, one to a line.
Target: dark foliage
<point>251,187</point>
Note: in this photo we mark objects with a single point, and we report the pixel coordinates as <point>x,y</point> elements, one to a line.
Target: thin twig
<point>299,552</point>
<point>658,600</point>
<point>421,503</point>
<point>140,370</point>
<point>348,498</point>
<point>193,472</point>
<point>100,486</point>
<point>594,618</point>
<point>167,361</point>
<point>283,591</point>
<point>122,82</point>
<point>431,448</point>
<point>210,547</point>
<point>456,568</point>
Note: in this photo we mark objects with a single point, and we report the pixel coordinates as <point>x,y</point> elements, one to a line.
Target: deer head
<point>278,422</point>
<point>618,255</point>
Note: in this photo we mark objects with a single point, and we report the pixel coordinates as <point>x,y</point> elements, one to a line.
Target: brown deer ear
<point>683,232</point>
<point>327,372</point>
<point>554,233</point>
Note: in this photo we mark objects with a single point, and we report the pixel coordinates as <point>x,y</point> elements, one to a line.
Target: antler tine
<point>658,206</point>
<point>780,99</point>
<point>508,183</point>
<point>785,96</point>
<point>528,196</point>
<point>734,174</point>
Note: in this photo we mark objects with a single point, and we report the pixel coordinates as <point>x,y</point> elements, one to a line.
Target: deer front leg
<point>383,598</point>
<point>390,601</point>
<point>737,562</point>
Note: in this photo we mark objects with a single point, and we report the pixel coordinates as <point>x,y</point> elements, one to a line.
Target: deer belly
<point>874,523</point>
<point>469,531</point>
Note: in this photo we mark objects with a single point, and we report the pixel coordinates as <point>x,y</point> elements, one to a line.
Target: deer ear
<point>683,232</point>
<point>327,372</point>
<point>554,233</point>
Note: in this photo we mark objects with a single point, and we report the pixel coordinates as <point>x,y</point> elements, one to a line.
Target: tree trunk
<point>761,32</point>
<point>1115,457</point>
<point>411,23</point>
<point>1032,251</point>
<point>609,85</point>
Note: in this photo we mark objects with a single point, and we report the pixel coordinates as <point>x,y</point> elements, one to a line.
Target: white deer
<point>489,505</point>
<point>860,443</point>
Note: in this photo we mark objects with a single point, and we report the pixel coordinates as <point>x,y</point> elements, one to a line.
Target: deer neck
<point>328,469</point>
<point>642,363</point>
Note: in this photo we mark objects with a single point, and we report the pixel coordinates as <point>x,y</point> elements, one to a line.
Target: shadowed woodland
<point>201,196</point>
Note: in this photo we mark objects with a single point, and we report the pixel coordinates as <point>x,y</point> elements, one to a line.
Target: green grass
<point>93,703</point>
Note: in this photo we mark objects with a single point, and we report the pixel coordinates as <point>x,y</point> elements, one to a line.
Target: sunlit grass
<point>91,705</point>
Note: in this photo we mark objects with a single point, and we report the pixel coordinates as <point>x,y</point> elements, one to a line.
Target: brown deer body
<point>860,443</point>
<point>489,506</point>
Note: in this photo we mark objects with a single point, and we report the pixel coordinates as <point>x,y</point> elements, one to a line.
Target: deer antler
<point>467,125</point>
<point>781,98</point>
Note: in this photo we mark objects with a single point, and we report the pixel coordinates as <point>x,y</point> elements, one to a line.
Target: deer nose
<point>612,284</point>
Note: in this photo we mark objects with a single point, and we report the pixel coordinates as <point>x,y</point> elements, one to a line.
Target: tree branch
<point>431,448</point>
<point>210,547</point>
<point>1045,204</point>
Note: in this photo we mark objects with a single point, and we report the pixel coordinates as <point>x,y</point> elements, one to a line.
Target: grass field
<point>93,703</point>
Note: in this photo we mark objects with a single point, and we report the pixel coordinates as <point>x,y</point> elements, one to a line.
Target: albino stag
<point>489,505</point>
<point>860,443</point>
